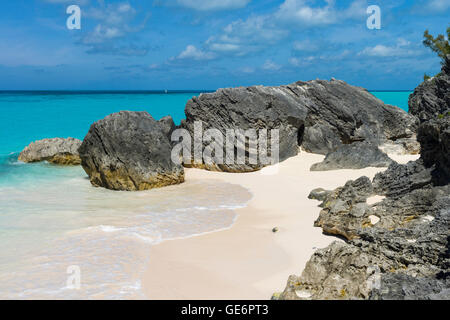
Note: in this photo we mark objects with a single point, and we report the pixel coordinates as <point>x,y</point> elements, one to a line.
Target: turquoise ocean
<point>51,218</point>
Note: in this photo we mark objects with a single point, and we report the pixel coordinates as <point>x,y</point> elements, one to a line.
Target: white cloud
<point>213,5</point>
<point>400,49</point>
<point>114,23</point>
<point>305,45</point>
<point>271,66</point>
<point>192,53</point>
<point>304,13</point>
<point>301,62</point>
<point>79,2</point>
<point>299,11</point>
<point>295,62</point>
<point>247,70</point>
<point>225,47</point>
<point>259,32</point>
<point>438,5</point>
<point>244,36</point>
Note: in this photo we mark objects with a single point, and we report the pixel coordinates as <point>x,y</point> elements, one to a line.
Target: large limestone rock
<point>57,150</point>
<point>317,115</point>
<point>432,98</point>
<point>249,108</point>
<point>351,113</point>
<point>357,155</point>
<point>129,151</point>
<point>345,209</point>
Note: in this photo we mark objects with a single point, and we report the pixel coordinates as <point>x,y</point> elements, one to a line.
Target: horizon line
<point>149,91</point>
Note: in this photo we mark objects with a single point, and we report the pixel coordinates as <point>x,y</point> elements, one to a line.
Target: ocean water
<point>52,219</point>
<point>395,98</point>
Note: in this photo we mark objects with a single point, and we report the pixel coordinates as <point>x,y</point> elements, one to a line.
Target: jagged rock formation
<point>249,108</point>
<point>434,136</point>
<point>357,155</point>
<point>167,125</point>
<point>317,115</point>
<point>57,150</point>
<point>398,248</point>
<point>129,151</point>
<point>401,146</point>
<point>319,194</point>
<point>352,113</point>
<point>432,98</point>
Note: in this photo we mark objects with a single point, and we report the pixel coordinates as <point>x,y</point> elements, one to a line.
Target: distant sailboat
<point>165,91</point>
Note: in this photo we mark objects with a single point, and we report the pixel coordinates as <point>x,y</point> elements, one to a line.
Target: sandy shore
<point>249,261</point>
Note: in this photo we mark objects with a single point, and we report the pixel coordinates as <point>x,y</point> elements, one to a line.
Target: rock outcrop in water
<point>357,155</point>
<point>57,151</point>
<point>432,98</point>
<point>317,115</point>
<point>129,151</point>
<point>397,248</point>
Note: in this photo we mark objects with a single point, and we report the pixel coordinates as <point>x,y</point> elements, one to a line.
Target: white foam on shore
<point>58,220</point>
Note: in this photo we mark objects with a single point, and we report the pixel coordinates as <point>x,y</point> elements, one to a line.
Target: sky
<point>209,44</point>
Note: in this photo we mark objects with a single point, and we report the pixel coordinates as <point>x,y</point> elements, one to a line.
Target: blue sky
<point>192,44</point>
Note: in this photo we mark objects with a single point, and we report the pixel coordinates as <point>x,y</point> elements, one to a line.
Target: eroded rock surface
<point>167,125</point>
<point>57,150</point>
<point>398,248</point>
<point>357,155</point>
<point>129,151</point>
<point>434,137</point>
<point>432,98</point>
<point>317,115</point>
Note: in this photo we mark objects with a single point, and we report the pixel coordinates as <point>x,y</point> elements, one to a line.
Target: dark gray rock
<point>357,155</point>
<point>400,179</point>
<point>319,194</point>
<point>249,108</point>
<point>345,210</point>
<point>129,151</point>
<point>402,254</point>
<point>321,138</point>
<point>57,150</point>
<point>317,115</point>
<point>405,252</point>
<point>352,112</point>
<point>397,286</point>
<point>337,272</point>
<point>434,138</point>
<point>432,97</point>
<point>167,125</point>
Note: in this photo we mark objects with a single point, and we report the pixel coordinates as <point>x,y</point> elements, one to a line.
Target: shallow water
<point>394,98</point>
<point>55,219</point>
